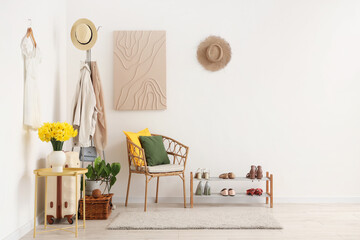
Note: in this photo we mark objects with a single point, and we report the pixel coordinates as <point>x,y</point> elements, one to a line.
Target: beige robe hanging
<point>100,136</point>
<point>84,109</point>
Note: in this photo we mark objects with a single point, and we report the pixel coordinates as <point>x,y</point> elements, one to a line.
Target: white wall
<point>288,100</point>
<point>21,150</point>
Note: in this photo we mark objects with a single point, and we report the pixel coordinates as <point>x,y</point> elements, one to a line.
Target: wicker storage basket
<point>96,208</point>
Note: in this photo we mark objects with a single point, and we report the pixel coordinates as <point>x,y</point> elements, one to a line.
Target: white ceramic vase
<point>57,160</point>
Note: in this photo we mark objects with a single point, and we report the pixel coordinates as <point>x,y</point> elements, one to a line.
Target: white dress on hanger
<point>32,59</point>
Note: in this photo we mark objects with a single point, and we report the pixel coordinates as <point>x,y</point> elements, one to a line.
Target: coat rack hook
<point>98,28</point>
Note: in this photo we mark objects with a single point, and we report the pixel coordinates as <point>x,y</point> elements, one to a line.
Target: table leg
<point>35,203</point>
<point>45,219</point>
<point>76,205</point>
<point>83,200</point>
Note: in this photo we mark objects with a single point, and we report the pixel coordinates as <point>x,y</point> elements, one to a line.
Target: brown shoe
<point>231,175</point>
<point>252,173</point>
<point>259,172</point>
<point>224,176</point>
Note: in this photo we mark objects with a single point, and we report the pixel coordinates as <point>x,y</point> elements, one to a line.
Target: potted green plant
<point>101,172</point>
<point>93,180</point>
<point>109,174</point>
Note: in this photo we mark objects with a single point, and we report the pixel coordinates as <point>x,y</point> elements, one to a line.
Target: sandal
<point>250,191</point>
<point>231,192</point>
<point>252,173</point>
<point>224,192</point>
<point>258,191</point>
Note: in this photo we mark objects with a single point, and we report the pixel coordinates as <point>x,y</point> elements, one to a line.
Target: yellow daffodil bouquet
<point>57,133</point>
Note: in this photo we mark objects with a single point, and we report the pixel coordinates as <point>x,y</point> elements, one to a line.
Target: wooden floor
<point>300,221</point>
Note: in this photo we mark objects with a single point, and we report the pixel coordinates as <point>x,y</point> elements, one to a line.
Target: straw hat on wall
<point>214,53</point>
<point>83,34</point>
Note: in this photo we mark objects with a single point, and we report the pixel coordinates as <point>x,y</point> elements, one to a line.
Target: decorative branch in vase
<point>56,133</point>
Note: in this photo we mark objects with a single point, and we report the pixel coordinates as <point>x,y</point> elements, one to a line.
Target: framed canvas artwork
<point>140,70</point>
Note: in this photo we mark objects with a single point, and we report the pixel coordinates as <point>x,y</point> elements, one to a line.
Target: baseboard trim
<point>243,200</point>
<point>24,229</point>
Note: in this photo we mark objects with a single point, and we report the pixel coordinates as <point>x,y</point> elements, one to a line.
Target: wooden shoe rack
<point>268,195</point>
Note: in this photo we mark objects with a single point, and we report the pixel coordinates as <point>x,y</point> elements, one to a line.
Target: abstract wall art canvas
<point>140,70</point>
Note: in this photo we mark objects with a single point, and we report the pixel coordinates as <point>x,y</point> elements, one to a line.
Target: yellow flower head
<point>56,131</point>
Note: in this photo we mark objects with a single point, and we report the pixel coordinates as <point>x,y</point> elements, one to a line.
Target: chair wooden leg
<point>267,187</point>
<point>272,191</point>
<point>183,178</point>
<point>157,190</point>
<point>128,188</point>
<point>191,190</point>
<point>146,186</point>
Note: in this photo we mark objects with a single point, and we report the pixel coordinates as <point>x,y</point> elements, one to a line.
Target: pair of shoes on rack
<point>256,191</point>
<point>202,173</point>
<point>200,190</point>
<point>229,175</point>
<point>225,192</point>
<point>255,172</point>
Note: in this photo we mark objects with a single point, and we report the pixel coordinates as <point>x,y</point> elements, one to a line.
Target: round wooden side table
<point>46,172</point>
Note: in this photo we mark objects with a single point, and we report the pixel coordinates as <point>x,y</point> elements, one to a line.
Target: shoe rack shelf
<point>269,194</point>
<point>241,179</point>
<point>236,195</point>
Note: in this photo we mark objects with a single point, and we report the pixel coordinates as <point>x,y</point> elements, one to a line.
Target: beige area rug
<point>195,218</point>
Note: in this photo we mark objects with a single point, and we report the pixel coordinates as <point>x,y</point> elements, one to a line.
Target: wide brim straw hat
<point>83,34</point>
<point>214,53</point>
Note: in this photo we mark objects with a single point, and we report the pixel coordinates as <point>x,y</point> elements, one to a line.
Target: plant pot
<point>57,160</point>
<point>90,186</point>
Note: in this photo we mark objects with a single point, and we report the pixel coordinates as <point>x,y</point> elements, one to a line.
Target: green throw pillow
<point>154,150</point>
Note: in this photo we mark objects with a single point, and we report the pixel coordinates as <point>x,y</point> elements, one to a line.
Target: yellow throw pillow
<point>134,137</point>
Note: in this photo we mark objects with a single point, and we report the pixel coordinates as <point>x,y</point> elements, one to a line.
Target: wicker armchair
<point>177,153</point>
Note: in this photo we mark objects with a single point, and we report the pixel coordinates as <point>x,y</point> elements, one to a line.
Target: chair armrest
<point>176,149</point>
<point>135,154</point>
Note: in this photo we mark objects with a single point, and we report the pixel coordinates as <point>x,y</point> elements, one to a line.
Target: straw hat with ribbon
<point>83,34</point>
<point>214,53</point>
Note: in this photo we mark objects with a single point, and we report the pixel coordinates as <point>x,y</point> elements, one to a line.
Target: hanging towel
<point>84,110</point>
<point>100,137</point>
<point>31,94</point>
